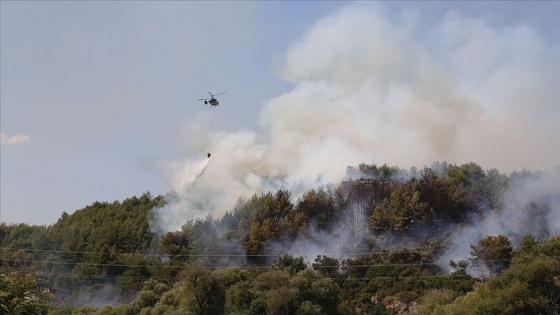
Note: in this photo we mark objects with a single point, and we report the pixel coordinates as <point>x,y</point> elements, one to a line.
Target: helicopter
<point>212,100</point>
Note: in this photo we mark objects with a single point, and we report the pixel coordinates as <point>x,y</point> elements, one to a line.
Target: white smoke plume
<point>183,176</point>
<point>375,88</point>
<point>531,207</point>
<point>13,140</point>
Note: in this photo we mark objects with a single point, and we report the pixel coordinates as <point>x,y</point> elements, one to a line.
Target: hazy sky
<point>99,99</point>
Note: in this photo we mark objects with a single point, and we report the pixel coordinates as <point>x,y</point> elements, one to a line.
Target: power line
<point>377,252</point>
<point>314,266</point>
<point>329,276</point>
<point>211,267</point>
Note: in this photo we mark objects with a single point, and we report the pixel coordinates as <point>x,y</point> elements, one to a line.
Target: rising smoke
<point>531,206</point>
<point>13,140</point>
<point>378,88</point>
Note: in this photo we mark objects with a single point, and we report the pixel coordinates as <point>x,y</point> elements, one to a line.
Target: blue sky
<point>99,99</point>
<point>102,88</point>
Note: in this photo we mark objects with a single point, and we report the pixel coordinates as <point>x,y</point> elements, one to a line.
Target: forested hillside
<point>385,240</point>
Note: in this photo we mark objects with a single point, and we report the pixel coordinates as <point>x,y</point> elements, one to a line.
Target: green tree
<point>204,294</point>
<point>432,303</point>
<point>176,245</point>
<point>291,264</point>
<point>325,294</point>
<point>150,294</point>
<point>270,280</point>
<point>280,301</point>
<point>268,214</point>
<point>443,195</point>
<point>23,294</point>
<point>326,266</point>
<point>529,286</point>
<point>308,308</point>
<point>171,302</point>
<point>399,212</point>
<point>318,208</point>
<point>381,173</point>
<point>472,178</point>
<point>494,252</point>
<point>239,298</point>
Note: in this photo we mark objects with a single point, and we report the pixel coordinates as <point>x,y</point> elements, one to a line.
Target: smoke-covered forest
<point>444,239</point>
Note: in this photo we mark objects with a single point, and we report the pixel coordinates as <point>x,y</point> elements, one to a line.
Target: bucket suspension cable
<point>211,133</point>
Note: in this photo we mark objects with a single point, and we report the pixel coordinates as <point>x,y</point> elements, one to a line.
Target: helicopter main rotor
<point>212,95</point>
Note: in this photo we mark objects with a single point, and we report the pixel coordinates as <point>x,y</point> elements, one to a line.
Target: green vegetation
<point>22,294</point>
<point>104,259</point>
